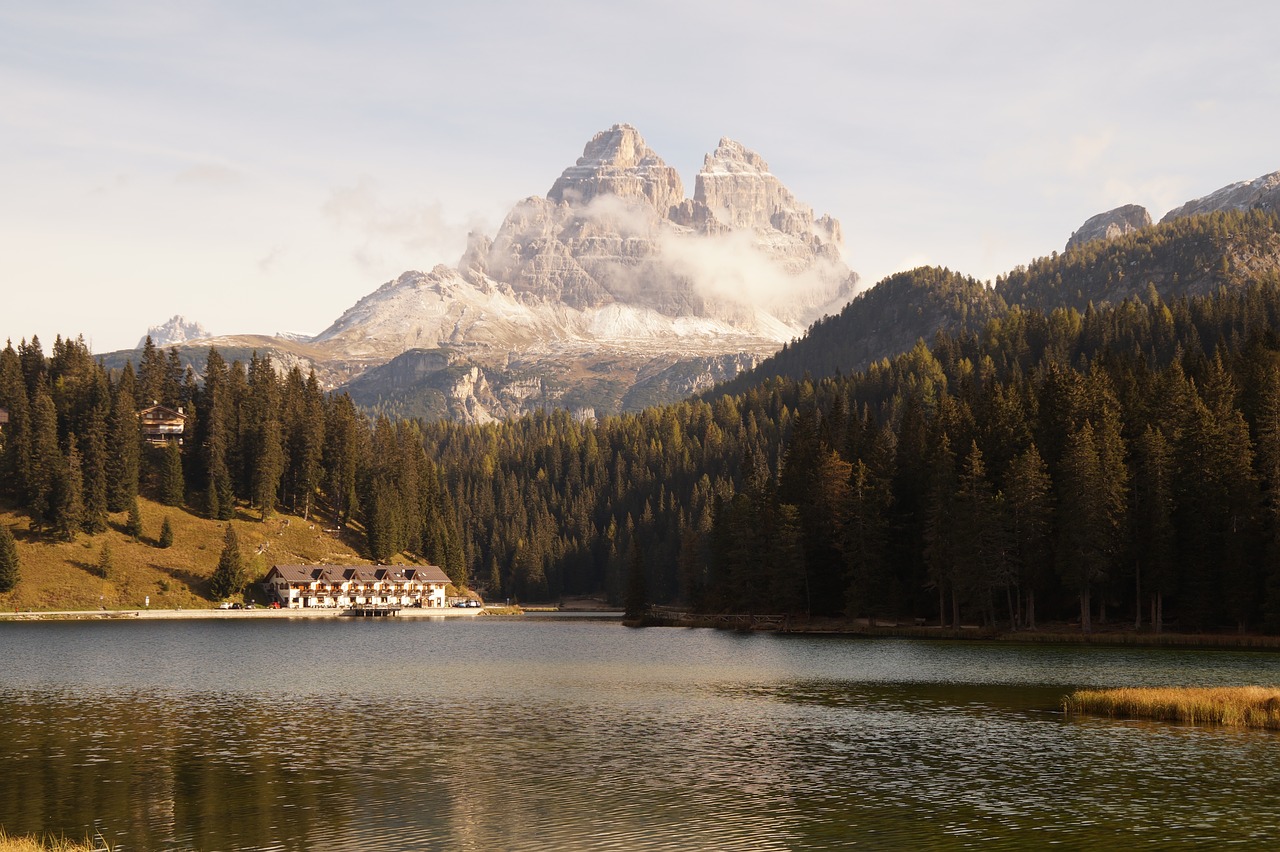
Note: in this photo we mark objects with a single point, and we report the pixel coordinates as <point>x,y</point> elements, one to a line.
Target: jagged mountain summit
<point>178,329</point>
<point>615,228</point>
<point>616,275</point>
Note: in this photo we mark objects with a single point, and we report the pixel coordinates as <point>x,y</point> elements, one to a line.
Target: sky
<point>259,167</point>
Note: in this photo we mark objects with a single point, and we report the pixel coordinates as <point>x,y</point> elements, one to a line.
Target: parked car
<point>236,606</point>
<point>472,602</point>
<point>249,606</point>
<point>225,605</point>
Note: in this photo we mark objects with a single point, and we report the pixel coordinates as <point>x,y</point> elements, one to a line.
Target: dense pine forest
<point>1116,464</point>
<point>1030,464</point>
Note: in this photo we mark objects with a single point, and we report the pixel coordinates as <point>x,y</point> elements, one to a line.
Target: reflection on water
<point>564,735</point>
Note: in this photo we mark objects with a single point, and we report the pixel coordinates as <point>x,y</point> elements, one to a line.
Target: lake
<point>485,734</point>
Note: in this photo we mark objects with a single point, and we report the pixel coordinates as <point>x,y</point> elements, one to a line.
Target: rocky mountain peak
<point>178,329</point>
<point>1261,193</point>
<point>737,188</point>
<point>1109,225</point>
<point>618,162</point>
<point>730,156</point>
<point>616,229</point>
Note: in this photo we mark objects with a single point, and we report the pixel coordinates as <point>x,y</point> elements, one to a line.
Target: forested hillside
<point>1114,463</point>
<point>73,450</point>
<point>1191,256</point>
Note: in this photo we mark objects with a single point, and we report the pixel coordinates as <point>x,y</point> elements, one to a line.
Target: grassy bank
<point>65,575</point>
<point>1233,706</point>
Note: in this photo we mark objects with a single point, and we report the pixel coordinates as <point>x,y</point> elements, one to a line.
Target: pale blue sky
<point>261,166</point>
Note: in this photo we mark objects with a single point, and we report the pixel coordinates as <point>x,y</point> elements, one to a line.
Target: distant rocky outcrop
<point>612,291</point>
<point>177,330</point>
<point>1109,225</point>
<point>1259,194</point>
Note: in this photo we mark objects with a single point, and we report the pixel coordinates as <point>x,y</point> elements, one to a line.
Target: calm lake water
<point>485,734</point>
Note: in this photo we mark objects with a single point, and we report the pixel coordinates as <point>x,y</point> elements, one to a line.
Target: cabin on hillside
<point>4,418</point>
<point>161,424</point>
<point>347,586</point>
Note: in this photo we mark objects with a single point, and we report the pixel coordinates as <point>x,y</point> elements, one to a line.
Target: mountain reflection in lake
<point>486,734</point>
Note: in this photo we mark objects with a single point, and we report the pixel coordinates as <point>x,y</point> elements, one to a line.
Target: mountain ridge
<point>588,288</point>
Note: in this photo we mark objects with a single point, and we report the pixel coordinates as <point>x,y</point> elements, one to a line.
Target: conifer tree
<point>342,457</point>
<point>134,525</point>
<point>1152,528</point>
<point>152,372</point>
<point>173,376</point>
<point>265,450</point>
<point>172,482</point>
<point>940,532</point>
<point>1082,528</point>
<point>866,533</point>
<point>1030,512</point>
<point>106,565</point>
<point>166,533</point>
<point>34,365</point>
<point>69,494</point>
<point>125,444</point>
<point>228,578</point>
<point>15,438</point>
<point>45,470</point>
<point>94,466</point>
<point>10,567</point>
<point>980,554</point>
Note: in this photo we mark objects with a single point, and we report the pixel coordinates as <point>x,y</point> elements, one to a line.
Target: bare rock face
<point>1259,194</point>
<point>614,291</point>
<point>618,162</point>
<point>616,229</point>
<point>177,330</point>
<point>739,193</point>
<point>1109,225</point>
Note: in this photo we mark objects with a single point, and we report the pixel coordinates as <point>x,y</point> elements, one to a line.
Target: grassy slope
<point>59,575</point>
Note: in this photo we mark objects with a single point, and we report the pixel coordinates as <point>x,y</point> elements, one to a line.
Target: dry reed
<point>10,843</point>
<point>1233,706</point>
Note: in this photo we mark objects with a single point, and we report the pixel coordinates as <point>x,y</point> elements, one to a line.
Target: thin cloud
<point>209,175</point>
<point>422,229</point>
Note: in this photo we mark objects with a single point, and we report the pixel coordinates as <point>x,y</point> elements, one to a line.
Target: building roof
<point>360,573</point>
<point>162,412</point>
<point>4,416</point>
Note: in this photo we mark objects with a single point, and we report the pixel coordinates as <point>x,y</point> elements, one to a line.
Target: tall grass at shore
<point>9,843</point>
<point>1233,706</point>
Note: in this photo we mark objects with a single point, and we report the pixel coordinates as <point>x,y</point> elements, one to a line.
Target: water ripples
<point>587,736</point>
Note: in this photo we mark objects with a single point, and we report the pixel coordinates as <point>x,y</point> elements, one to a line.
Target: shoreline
<point>145,614</point>
<point>1054,634</point>
<point>1051,635</point>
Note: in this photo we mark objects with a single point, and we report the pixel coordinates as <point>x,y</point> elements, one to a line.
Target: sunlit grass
<point>9,843</point>
<point>1234,706</point>
<point>63,575</point>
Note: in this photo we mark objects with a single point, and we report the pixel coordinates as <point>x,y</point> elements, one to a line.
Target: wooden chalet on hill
<point>161,424</point>
<point>350,586</point>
